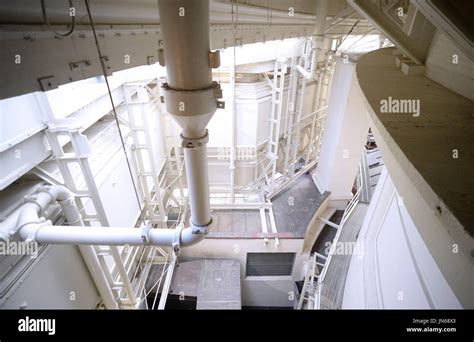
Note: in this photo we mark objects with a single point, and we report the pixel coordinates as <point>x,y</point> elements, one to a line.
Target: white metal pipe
<point>110,236</point>
<point>184,26</point>
<point>197,176</point>
<point>318,33</point>
<point>28,216</point>
<point>190,95</point>
<point>30,227</point>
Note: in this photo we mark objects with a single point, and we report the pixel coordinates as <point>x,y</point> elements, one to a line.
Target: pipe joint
<point>196,229</point>
<point>33,199</point>
<point>29,231</point>
<point>195,142</point>
<point>192,102</point>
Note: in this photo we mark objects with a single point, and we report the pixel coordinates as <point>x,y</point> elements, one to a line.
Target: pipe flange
<point>192,102</point>
<point>200,229</point>
<point>195,142</point>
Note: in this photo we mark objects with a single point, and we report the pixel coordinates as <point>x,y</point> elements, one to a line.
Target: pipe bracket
<point>144,233</point>
<point>177,238</point>
<point>192,102</point>
<point>214,59</point>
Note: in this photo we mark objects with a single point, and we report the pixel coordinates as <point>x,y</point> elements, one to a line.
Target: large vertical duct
<point>190,94</point>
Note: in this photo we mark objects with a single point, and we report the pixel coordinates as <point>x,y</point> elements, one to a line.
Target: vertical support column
<point>233,128</point>
<point>344,136</point>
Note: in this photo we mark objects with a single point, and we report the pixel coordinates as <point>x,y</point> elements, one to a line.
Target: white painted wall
<point>253,109</point>
<point>256,291</point>
<point>59,279</point>
<point>396,270</point>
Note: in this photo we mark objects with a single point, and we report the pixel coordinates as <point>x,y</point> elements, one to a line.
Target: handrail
<point>321,277</point>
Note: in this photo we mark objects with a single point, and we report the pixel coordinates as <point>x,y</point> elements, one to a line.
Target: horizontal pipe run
<point>111,236</point>
<point>29,226</point>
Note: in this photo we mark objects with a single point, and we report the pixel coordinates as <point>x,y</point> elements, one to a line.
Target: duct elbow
<point>190,237</point>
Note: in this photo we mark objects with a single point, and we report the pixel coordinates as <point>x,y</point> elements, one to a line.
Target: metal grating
<point>269,264</point>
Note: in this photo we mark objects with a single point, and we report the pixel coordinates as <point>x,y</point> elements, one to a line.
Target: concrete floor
<point>446,122</point>
<point>294,207</point>
<point>235,223</point>
<point>213,283</point>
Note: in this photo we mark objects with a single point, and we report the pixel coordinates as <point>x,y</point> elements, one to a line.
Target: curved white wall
<point>396,270</point>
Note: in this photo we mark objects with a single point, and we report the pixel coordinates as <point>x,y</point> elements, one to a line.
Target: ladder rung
<point>83,194</point>
<point>69,156</point>
<point>89,218</point>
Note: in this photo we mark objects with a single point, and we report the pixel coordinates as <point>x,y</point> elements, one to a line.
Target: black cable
<point>46,21</point>
<point>347,35</point>
<point>104,70</point>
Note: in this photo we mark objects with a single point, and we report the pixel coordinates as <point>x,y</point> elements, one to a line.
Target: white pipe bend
<point>30,226</point>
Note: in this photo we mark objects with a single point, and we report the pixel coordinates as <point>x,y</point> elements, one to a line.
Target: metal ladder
<point>278,85</point>
<point>294,139</point>
<point>86,192</point>
<point>290,111</point>
<point>175,163</point>
<point>144,153</point>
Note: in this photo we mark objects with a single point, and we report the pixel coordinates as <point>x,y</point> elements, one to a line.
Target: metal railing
<point>313,279</point>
